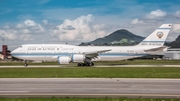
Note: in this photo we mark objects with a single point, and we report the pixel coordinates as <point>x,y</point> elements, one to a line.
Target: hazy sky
<point>76,21</point>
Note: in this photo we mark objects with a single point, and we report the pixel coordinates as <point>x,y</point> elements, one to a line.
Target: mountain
<point>119,36</point>
<point>176,43</point>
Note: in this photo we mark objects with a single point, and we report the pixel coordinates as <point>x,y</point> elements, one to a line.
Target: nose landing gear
<point>25,63</point>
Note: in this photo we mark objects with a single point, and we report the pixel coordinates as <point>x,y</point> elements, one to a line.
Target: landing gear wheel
<point>85,64</point>
<point>79,64</point>
<point>92,64</point>
<point>25,63</point>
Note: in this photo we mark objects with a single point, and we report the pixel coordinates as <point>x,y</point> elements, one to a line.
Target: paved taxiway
<point>57,66</point>
<point>89,87</point>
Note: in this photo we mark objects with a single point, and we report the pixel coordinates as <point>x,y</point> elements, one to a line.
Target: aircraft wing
<point>95,53</point>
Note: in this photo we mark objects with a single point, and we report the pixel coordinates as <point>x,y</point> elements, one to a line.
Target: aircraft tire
<point>92,64</point>
<point>79,64</point>
<point>85,64</point>
<point>25,64</point>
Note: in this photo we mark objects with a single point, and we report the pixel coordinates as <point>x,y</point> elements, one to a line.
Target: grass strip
<point>128,62</point>
<point>89,99</point>
<point>91,72</point>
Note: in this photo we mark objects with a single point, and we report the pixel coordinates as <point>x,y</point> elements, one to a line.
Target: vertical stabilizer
<point>158,37</point>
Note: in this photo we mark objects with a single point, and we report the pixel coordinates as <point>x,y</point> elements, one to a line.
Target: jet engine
<point>64,60</point>
<point>78,58</point>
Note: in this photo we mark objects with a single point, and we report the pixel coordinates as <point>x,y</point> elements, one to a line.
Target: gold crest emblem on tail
<point>160,34</point>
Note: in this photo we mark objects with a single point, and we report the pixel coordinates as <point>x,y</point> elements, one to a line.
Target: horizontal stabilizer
<point>155,50</point>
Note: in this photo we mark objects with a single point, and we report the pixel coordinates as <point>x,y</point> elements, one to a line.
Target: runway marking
<point>135,95</point>
<point>138,66</point>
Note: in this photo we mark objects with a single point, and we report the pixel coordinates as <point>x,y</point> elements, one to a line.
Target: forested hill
<point>176,43</point>
<point>118,37</point>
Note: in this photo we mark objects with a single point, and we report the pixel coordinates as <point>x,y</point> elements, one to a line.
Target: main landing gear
<point>25,63</point>
<point>85,64</point>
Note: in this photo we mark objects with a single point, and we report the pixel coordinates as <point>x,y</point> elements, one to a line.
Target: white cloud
<point>21,31</point>
<point>176,28</point>
<point>156,14</point>
<point>25,31</point>
<point>9,34</point>
<point>6,27</point>
<point>177,14</point>
<point>78,30</point>
<point>32,26</point>
<point>26,37</point>
<point>174,33</point>
<point>137,21</point>
<point>30,23</point>
<point>45,22</point>
<point>19,26</point>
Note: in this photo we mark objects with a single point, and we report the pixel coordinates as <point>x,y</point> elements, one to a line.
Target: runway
<point>66,66</point>
<point>89,87</point>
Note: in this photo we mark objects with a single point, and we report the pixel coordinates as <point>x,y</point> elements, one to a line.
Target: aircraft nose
<point>14,52</point>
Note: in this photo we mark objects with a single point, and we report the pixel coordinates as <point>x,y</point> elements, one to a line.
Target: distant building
<point>4,51</point>
<point>5,54</point>
<point>1,56</point>
<point>172,54</point>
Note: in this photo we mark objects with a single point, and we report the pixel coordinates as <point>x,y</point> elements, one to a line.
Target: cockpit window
<point>20,46</point>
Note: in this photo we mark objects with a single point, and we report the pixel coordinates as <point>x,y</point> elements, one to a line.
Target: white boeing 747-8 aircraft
<point>84,55</point>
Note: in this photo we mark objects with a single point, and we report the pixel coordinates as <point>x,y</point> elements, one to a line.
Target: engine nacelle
<point>78,58</point>
<point>64,60</point>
